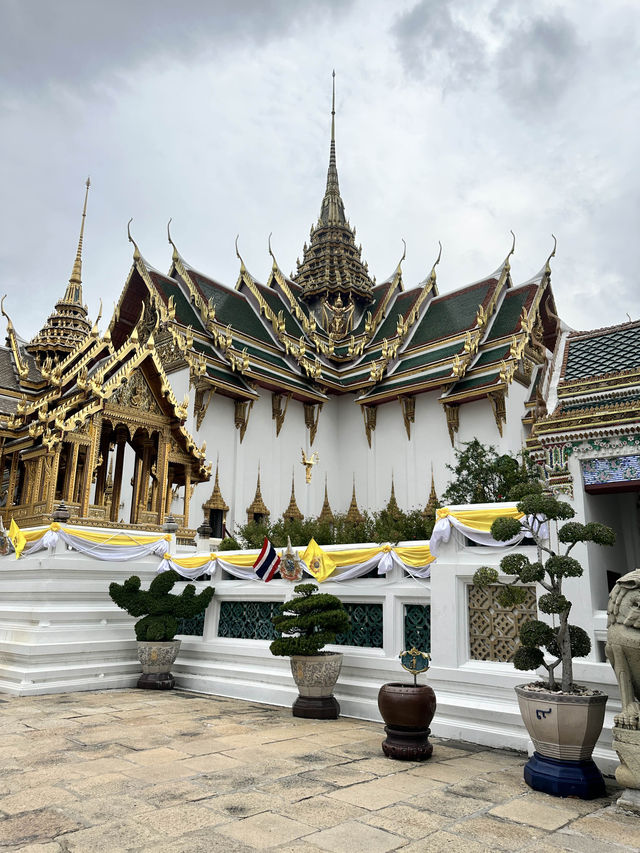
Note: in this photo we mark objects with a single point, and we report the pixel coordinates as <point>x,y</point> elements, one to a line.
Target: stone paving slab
<point>180,772</point>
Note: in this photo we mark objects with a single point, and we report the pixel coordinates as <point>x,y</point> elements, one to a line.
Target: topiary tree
<point>162,608</point>
<point>310,621</point>
<point>564,641</point>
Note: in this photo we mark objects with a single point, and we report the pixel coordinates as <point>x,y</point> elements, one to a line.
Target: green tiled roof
<point>432,355</point>
<point>397,381</point>
<point>378,293</point>
<point>475,382</point>
<point>231,307</point>
<point>400,305</point>
<point>608,351</point>
<point>185,311</point>
<point>452,313</point>
<point>266,355</point>
<point>507,319</point>
<point>227,377</point>
<point>490,356</point>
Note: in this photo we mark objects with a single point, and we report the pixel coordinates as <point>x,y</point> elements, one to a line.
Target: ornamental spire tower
<point>68,325</point>
<point>332,270</point>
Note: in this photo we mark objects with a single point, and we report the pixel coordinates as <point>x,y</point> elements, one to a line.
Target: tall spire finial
<point>333,107</point>
<point>332,210</point>
<point>74,288</point>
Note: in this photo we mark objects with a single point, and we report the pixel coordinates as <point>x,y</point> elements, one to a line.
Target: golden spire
<point>430,510</point>
<point>332,210</point>
<point>392,505</point>
<point>326,513</point>
<point>292,511</point>
<point>353,513</point>
<point>73,294</point>
<point>216,501</point>
<point>257,506</point>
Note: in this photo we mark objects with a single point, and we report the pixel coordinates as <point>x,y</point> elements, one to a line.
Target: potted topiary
<point>563,719</point>
<point>155,632</point>
<point>309,621</point>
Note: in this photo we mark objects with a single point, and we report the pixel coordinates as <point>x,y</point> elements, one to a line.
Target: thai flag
<point>268,561</point>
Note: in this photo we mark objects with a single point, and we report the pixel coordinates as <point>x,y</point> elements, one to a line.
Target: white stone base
<point>60,632</point>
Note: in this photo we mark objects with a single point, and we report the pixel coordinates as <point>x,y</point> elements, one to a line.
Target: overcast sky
<point>457,120</point>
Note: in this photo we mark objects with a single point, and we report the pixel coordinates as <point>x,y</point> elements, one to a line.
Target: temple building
<point>589,442</point>
<point>74,402</point>
<point>350,383</point>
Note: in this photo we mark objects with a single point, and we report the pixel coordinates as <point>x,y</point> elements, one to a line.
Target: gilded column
<point>72,470</point>
<point>53,479</point>
<point>187,494</point>
<point>13,476</point>
<point>117,477</point>
<point>163,472</point>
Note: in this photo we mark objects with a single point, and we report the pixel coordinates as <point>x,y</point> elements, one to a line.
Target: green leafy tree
<point>565,641</point>
<point>162,608</point>
<point>309,621</point>
<point>481,475</point>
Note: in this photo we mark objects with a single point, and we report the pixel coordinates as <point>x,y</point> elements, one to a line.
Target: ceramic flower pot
<point>407,710</point>
<point>564,728</point>
<point>156,660</point>
<point>315,677</point>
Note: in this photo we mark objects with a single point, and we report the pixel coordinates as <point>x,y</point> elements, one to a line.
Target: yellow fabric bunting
<point>479,519</point>
<point>17,537</point>
<point>319,563</point>
<point>415,557</point>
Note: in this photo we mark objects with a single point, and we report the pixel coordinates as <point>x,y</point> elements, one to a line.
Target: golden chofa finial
<point>136,250</point>
<point>176,254</point>
<point>242,266</point>
<point>547,266</point>
<point>511,251</point>
<point>273,257</point>
<point>4,313</point>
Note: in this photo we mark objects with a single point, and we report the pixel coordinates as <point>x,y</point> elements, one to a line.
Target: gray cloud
<point>74,42</point>
<point>529,55</point>
<point>438,46</point>
<point>538,61</point>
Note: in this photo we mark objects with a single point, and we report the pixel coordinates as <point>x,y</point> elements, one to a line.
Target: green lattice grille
<point>417,626</point>
<point>247,620</point>
<point>192,627</point>
<point>366,626</point>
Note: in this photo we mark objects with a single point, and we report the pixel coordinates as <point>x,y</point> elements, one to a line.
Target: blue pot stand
<point>562,778</point>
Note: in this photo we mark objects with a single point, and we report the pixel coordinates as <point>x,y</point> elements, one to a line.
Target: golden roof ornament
<point>326,513</point>
<point>293,511</point>
<point>68,326</point>
<point>353,513</point>
<point>257,506</point>
<point>332,262</point>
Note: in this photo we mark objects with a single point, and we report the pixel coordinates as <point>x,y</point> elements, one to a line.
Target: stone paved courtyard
<point>138,770</point>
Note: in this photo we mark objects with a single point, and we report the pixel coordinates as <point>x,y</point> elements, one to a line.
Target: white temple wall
<point>343,451</point>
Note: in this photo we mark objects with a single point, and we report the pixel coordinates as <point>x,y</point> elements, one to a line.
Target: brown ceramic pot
<point>407,710</point>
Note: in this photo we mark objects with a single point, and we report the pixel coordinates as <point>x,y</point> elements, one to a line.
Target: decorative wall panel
<point>247,620</point>
<point>417,626</point>
<point>493,631</point>
<point>366,626</point>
